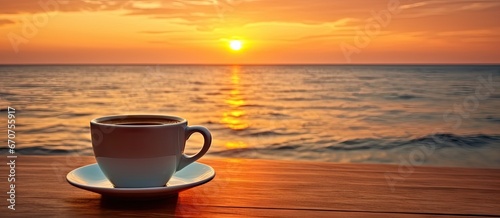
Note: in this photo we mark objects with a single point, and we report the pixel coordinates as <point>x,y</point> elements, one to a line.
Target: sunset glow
<point>291,31</point>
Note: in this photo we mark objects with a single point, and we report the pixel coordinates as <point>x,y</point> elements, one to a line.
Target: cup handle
<point>185,159</point>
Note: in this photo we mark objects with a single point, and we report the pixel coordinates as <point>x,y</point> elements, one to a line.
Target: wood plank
<point>244,187</point>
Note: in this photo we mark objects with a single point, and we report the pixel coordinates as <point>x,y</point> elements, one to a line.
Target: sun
<point>235,45</point>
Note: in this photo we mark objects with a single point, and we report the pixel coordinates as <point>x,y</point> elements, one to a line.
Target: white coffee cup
<point>138,151</point>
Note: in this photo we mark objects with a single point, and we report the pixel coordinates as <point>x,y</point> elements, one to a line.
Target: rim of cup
<point>99,120</point>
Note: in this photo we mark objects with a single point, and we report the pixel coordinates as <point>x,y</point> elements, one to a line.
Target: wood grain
<point>265,188</point>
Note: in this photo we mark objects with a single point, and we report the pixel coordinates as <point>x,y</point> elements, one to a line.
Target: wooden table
<point>264,188</point>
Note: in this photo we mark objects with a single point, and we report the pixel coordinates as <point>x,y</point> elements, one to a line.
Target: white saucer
<point>91,178</point>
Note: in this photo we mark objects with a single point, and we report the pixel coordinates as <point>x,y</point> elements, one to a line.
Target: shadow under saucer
<point>165,204</point>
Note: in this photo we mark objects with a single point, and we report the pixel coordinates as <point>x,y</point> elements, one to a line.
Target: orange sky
<point>273,31</point>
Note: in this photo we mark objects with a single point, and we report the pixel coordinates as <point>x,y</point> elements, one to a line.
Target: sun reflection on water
<point>236,144</point>
<point>234,117</point>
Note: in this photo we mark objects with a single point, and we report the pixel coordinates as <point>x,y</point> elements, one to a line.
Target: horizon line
<point>249,64</point>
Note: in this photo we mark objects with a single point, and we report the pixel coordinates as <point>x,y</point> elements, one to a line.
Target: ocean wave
<point>277,114</point>
<point>74,115</point>
<point>252,105</point>
<point>213,93</point>
<point>402,96</point>
<point>340,107</point>
<point>32,85</point>
<point>292,91</point>
<point>55,128</point>
<point>493,119</point>
<point>436,142</point>
<point>495,96</point>
<point>445,140</point>
<point>6,93</point>
<point>38,150</point>
<point>368,77</point>
<point>286,147</point>
<point>298,99</point>
<point>269,133</point>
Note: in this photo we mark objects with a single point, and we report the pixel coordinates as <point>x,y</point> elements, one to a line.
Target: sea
<point>431,115</point>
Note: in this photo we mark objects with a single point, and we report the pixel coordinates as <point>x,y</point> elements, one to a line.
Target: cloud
<point>208,15</point>
<point>4,22</point>
<point>308,20</point>
<point>463,33</point>
<point>445,7</point>
<point>475,35</point>
<point>42,6</point>
<point>246,11</point>
<point>153,32</point>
